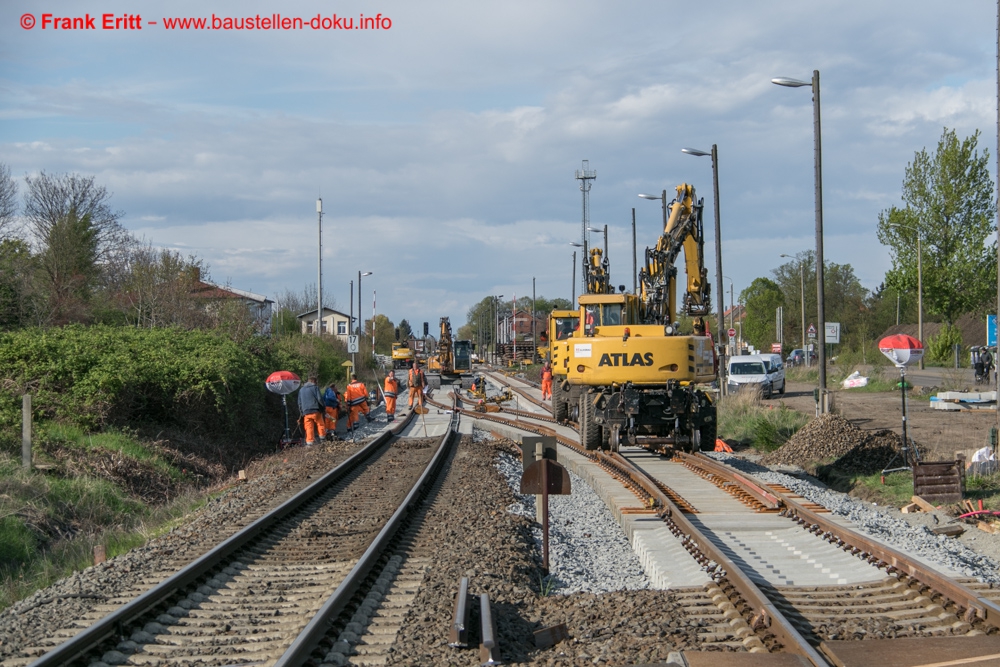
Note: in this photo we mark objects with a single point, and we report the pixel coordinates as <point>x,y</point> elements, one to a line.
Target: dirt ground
<point>941,433</point>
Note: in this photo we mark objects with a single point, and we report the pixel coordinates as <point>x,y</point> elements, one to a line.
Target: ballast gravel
<point>880,524</point>
<point>588,550</point>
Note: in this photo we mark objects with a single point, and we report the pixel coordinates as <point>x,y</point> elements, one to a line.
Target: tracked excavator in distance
<point>630,376</point>
<point>453,362</point>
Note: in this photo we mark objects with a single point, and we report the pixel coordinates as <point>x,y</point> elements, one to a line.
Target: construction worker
<point>331,397</point>
<point>390,390</point>
<point>547,382</point>
<point>311,406</point>
<point>416,383</point>
<point>356,396</point>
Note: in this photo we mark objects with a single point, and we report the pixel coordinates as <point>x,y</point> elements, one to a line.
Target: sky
<point>444,143</point>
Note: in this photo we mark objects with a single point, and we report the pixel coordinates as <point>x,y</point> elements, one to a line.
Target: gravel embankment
<point>498,551</point>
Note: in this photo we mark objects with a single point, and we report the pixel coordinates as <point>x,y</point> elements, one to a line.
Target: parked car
<point>797,357</point>
<point>749,371</point>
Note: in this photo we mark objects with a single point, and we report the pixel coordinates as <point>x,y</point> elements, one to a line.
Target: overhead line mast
<point>585,175</point>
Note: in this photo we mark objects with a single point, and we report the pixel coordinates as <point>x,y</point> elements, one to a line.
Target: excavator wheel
<point>615,440</point>
<point>560,406</point>
<point>590,431</point>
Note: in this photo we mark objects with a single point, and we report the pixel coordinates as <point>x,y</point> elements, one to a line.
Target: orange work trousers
<point>314,422</point>
<point>332,415</point>
<point>354,416</point>
<point>418,394</point>
<point>390,405</point>
<point>546,389</point>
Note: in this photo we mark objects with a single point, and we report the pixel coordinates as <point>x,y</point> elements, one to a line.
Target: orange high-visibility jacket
<point>547,374</point>
<point>417,378</point>
<point>356,394</point>
<point>391,387</point>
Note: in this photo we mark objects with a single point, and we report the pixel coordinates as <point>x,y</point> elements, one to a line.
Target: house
<point>519,324</point>
<point>258,305</point>
<point>333,321</point>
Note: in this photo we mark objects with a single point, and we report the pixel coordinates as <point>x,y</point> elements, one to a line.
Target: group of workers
<point>321,410</point>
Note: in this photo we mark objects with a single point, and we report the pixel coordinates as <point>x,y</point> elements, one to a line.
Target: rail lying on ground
<point>203,580</point>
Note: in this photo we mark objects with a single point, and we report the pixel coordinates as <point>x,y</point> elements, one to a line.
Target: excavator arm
<point>683,231</point>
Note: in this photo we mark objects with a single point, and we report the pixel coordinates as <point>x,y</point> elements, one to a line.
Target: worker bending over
<point>390,390</point>
<point>311,406</point>
<point>547,382</point>
<point>417,382</point>
<point>356,396</point>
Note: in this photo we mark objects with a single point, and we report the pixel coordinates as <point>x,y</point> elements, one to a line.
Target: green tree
<point>385,334</point>
<point>405,330</point>
<point>948,203</point>
<point>761,299</point>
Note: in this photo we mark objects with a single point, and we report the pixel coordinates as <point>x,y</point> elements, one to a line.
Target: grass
<point>744,419</point>
<point>51,519</point>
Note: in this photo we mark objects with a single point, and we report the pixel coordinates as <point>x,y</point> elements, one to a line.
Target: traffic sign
<point>832,334</point>
<point>775,348</point>
<point>352,344</point>
<point>732,333</point>
<point>811,330</point>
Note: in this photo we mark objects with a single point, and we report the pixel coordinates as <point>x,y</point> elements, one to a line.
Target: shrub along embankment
<point>126,422</point>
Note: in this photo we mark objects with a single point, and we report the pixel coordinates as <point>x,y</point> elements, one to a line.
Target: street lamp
<point>802,287</point>
<point>662,198</point>
<point>920,285</point>
<point>496,325</point>
<point>605,230</point>
<point>818,156</point>
<point>714,154</point>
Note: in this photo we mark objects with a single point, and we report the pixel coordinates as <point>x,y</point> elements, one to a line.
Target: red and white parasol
<point>901,349</point>
<point>282,382</point>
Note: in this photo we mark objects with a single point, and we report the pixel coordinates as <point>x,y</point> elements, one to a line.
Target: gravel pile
<point>588,550</point>
<point>881,525</point>
<point>830,437</point>
<point>270,482</point>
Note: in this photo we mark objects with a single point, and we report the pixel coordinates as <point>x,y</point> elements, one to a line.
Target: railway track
<point>287,588</point>
<point>883,593</point>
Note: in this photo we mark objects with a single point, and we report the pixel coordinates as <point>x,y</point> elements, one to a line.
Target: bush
<point>940,348</point>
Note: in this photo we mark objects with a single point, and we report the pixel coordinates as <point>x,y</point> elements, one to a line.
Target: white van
<point>756,370</point>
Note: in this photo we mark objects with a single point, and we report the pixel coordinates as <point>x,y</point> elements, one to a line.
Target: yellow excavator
<point>402,356</point>
<point>453,362</point>
<point>630,375</point>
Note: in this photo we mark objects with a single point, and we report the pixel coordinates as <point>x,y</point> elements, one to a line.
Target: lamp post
<point>802,287</point>
<point>496,326</point>
<point>366,273</point>
<point>593,229</point>
<point>662,198</point>
<point>584,259</point>
<point>920,285</point>
<point>319,270</point>
<point>714,154</point>
<point>818,157</point>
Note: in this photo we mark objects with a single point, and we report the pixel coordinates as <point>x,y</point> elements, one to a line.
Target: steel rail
<point>764,609</point>
<point>880,555</point>
<point>764,496</point>
<point>300,650</point>
<point>517,389</point>
<point>91,637</point>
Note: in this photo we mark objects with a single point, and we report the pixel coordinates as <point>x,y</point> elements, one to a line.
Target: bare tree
<point>8,202</point>
<point>75,230</point>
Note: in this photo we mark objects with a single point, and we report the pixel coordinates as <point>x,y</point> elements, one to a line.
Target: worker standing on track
<point>390,390</point>
<point>547,382</point>
<point>356,396</point>
<point>312,409</point>
<point>331,397</point>
<point>416,383</point>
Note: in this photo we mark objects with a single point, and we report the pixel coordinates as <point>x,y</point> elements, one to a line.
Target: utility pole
<point>585,175</point>
<point>319,279</point>
<point>534,341</point>
<point>635,281</point>
<point>574,278</point>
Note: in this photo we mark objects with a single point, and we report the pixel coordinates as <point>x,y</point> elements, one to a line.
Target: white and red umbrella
<point>901,349</point>
<point>282,382</point>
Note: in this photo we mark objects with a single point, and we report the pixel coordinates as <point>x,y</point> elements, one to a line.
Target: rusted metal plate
<point>531,480</point>
<point>980,651</point>
<point>939,481</point>
<point>718,659</point>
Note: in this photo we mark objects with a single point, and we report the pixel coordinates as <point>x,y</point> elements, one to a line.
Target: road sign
<point>776,348</point>
<point>352,344</point>
<point>832,333</point>
<point>812,334</point>
<point>732,333</point>
<point>991,330</point>
<point>811,329</point>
